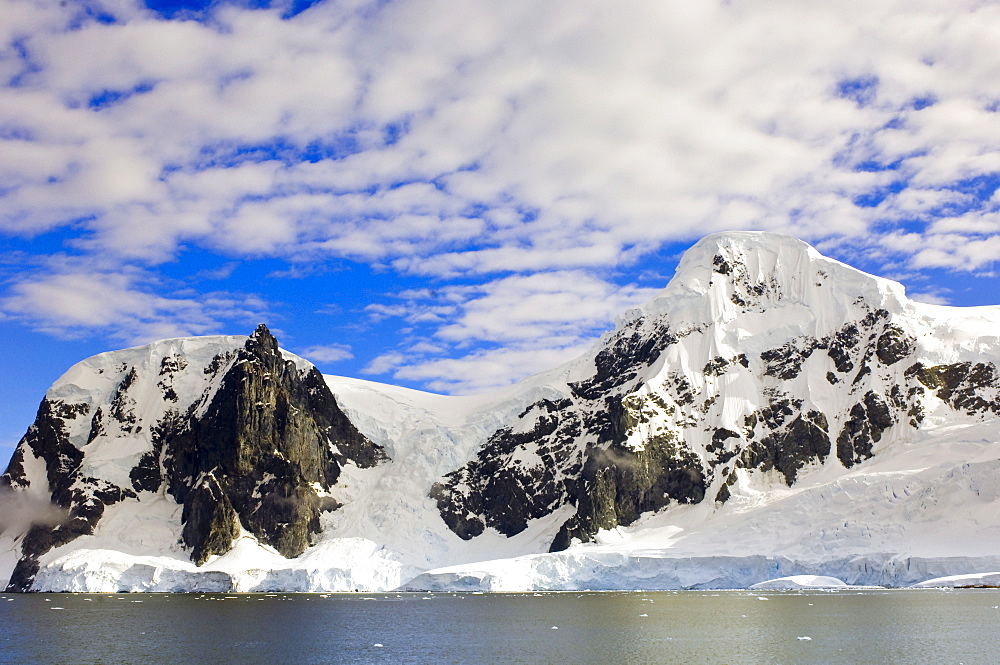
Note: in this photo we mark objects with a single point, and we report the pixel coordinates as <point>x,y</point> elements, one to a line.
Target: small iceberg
<point>801,582</point>
<point>972,580</point>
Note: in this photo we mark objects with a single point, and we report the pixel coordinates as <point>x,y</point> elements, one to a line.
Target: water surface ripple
<point>900,626</point>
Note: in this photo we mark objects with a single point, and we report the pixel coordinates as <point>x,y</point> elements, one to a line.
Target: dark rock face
<point>515,477</point>
<point>619,484</point>
<point>788,438</point>
<point>786,361</point>
<point>250,453</point>
<point>868,420</point>
<point>210,522</point>
<point>964,386</point>
<point>81,498</point>
<point>267,435</point>
<point>893,345</point>
<point>852,346</point>
<point>574,452</point>
<point>618,363</point>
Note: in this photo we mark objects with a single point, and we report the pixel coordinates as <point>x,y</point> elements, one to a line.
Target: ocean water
<point>892,626</point>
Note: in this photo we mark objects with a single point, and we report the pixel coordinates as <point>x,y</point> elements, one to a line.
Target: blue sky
<point>452,196</point>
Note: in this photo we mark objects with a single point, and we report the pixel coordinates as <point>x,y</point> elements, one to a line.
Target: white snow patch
<point>801,582</point>
<point>957,581</point>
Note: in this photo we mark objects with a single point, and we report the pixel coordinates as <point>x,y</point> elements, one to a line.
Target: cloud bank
<point>521,158</point>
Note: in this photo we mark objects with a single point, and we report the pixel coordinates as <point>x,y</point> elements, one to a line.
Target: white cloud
<point>123,306</point>
<point>503,330</point>
<point>525,150</point>
<point>650,122</point>
<point>950,250</point>
<point>384,363</point>
<point>484,370</point>
<point>566,306</point>
<point>929,298</point>
<point>327,353</point>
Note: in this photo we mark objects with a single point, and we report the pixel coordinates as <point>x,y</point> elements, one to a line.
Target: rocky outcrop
<point>516,476</point>
<point>868,419</point>
<point>255,451</point>
<point>973,388</point>
<point>81,500</point>
<point>784,437</point>
<point>576,451</point>
<point>259,450</point>
<point>618,484</point>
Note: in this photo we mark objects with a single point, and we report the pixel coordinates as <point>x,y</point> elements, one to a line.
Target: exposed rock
<point>794,440</point>
<point>267,434</point>
<point>597,454</point>
<point>634,346</point>
<point>619,484</point>
<point>719,365</point>
<point>122,404</point>
<point>841,344</point>
<point>966,386</point>
<point>210,523</point>
<point>519,476</point>
<point>515,477</point>
<point>894,345</point>
<point>868,420</point>
<point>786,362</point>
<point>723,494</point>
<point>147,475</point>
<point>250,453</point>
<point>82,499</point>
<point>721,265</point>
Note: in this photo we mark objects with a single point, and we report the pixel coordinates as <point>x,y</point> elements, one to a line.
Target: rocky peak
<point>262,344</point>
<point>258,450</point>
<point>266,438</point>
<point>726,276</point>
<point>760,357</point>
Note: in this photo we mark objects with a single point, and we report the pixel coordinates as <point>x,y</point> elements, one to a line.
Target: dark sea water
<point>925,626</point>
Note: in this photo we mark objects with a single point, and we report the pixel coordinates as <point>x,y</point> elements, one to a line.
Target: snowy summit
<point>770,415</point>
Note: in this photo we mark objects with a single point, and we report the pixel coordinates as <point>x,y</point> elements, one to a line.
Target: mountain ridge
<point>761,369</point>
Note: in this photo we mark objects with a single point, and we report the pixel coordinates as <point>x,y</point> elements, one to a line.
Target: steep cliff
<point>257,448</point>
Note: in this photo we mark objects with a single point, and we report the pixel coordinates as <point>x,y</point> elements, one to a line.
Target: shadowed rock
<point>269,435</point>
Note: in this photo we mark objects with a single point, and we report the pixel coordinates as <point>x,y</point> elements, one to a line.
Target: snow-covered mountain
<point>771,412</point>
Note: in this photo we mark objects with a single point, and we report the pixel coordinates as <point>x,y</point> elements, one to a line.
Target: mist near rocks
<point>20,511</point>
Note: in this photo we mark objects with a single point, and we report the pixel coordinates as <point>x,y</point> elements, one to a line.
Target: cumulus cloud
<point>614,126</point>
<point>125,307</point>
<point>517,153</point>
<point>929,298</point>
<point>327,353</point>
<point>565,305</point>
<point>385,363</point>
<point>484,370</point>
<point>488,335</point>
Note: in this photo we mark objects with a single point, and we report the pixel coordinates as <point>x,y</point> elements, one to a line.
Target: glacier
<point>771,414</point>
